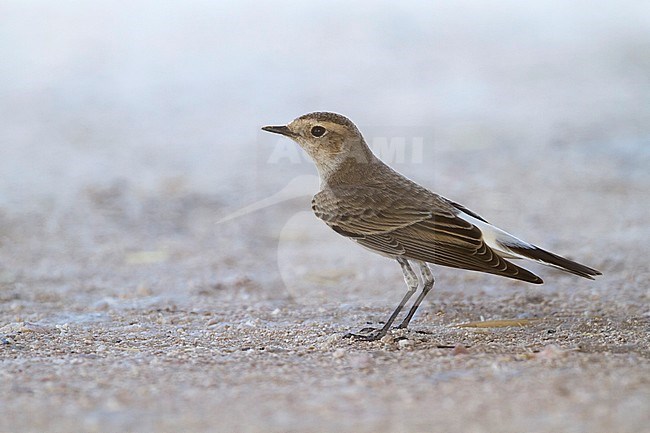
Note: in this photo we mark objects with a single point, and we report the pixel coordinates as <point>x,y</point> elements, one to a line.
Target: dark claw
<point>369,334</point>
<point>360,337</point>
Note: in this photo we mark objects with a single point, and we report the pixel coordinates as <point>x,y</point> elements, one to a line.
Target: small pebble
<point>404,343</point>
<point>550,352</point>
<point>459,349</point>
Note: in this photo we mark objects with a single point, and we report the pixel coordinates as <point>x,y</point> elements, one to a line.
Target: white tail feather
<point>496,238</point>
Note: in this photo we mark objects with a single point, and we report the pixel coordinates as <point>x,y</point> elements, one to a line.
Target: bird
<point>365,200</point>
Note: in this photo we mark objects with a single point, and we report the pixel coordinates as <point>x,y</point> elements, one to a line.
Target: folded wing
<point>419,226</point>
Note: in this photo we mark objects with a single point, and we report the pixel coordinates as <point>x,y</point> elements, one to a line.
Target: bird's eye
<point>317,131</point>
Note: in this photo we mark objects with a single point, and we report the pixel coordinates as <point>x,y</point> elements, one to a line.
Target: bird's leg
<point>412,282</point>
<point>427,277</point>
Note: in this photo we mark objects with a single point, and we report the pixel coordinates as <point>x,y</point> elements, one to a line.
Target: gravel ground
<point>160,270</point>
<point>166,321</point>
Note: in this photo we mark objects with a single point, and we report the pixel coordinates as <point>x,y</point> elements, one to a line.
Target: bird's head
<point>328,138</point>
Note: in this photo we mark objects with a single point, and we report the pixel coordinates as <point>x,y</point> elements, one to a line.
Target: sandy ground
<point>131,302</point>
<point>158,319</point>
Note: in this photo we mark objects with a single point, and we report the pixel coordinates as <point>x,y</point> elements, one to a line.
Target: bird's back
<point>392,215</point>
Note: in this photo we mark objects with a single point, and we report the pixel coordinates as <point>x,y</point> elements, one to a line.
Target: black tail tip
<point>548,258</point>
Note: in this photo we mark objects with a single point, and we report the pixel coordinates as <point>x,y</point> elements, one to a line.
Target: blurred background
<point>154,241</point>
<point>133,124</point>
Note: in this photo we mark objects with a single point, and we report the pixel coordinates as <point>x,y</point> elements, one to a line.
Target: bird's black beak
<point>282,130</point>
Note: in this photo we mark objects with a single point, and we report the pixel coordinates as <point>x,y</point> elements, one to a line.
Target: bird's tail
<point>548,258</point>
<point>512,247</point>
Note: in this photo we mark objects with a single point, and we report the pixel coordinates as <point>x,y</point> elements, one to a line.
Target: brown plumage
<point>367,201</point>
<point>396,217</point>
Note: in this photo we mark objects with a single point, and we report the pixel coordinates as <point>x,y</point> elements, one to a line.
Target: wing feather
<point>419,226</point>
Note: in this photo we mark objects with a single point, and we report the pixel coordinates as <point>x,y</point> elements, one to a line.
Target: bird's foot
<point>367,334</point>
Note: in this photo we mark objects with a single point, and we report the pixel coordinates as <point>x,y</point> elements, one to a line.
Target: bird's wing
<point>419,225</point>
